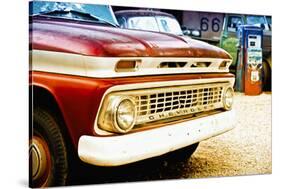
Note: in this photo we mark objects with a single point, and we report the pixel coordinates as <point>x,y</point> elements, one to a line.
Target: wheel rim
<point>39,155</point>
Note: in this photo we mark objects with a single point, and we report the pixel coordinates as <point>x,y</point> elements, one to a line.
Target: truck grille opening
<point>159,104</point>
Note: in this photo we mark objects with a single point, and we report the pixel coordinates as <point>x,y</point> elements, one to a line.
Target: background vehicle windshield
<point>269,21</point>
<point>158,23</point>
<point>102,12</point>
<point>257,21</point>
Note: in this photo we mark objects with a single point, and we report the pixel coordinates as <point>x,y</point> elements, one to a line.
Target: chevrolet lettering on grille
<point>180,112</point>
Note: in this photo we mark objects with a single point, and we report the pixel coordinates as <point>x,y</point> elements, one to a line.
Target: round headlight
<point>228,98</point>
<point>125,116</point>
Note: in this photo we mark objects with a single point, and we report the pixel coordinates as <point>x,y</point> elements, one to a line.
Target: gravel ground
<point>245,150</point>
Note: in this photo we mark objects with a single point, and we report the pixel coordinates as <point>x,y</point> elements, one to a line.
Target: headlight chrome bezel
<point>110,111</point>
<point>116,122</point>
<point>228,94</point>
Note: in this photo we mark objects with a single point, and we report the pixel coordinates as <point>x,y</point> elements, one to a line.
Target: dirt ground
<point>245,150</point>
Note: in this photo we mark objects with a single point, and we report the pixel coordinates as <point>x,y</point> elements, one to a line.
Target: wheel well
<point>267,74</point>
<point>267,58</point>
<point>267,61</point>
<point>40,97</point>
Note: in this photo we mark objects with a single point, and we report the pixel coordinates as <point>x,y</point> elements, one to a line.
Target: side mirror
<point>185,31</point>
<point>196,33</point>
<point>191,32</point>
<point>262,26</point>
<point>183,28</point>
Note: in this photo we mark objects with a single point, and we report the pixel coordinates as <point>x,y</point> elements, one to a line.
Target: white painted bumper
<point>124,149</point>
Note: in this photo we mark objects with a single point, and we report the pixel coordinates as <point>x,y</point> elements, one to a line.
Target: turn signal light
<point>126,66</point>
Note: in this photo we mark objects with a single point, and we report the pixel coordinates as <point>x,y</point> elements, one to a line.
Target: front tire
<point>47,151</point>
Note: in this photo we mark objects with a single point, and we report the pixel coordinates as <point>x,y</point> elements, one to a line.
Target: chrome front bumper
<point>129,148</point>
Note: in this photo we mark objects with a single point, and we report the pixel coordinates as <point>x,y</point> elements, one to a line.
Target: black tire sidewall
<point>46,127</point>
<point>266,74</point>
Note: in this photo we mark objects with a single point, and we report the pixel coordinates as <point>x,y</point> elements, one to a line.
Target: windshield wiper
<point>88,16</point>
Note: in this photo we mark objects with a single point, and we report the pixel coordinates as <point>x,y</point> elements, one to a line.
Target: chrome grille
<point>162,103</point>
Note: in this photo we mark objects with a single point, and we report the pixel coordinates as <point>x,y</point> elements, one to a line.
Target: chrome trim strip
<point>104,67</point>
<point>120,88</point>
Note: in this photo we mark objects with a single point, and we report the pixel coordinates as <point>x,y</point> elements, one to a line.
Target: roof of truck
<point>142,12</point>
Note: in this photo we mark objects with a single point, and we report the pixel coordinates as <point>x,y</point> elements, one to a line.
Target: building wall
<point>210,24</point>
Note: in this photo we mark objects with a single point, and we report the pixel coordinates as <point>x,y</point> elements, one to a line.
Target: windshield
<point>269,21</point>
<point>99,12</point>
<point>257,21</point>
<point>159,24</point>
<point>169,25</point>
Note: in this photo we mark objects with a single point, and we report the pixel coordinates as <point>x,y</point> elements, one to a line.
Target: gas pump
<point>249,65</point>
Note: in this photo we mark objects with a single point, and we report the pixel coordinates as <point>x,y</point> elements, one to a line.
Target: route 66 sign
<point>255,76</point>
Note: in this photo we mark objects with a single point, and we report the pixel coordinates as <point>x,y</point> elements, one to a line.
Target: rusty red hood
<point>98,40</point>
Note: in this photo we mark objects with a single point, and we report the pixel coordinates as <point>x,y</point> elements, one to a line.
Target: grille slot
<point>172,64</point>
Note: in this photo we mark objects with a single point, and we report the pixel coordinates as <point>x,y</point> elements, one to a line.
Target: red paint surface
<point>97,40</point>
<point>79,97</point>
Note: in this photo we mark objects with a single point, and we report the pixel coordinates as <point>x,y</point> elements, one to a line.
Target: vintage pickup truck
<point>114,96</point>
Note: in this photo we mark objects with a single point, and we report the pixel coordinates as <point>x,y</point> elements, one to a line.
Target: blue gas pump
<point>249,61</point>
